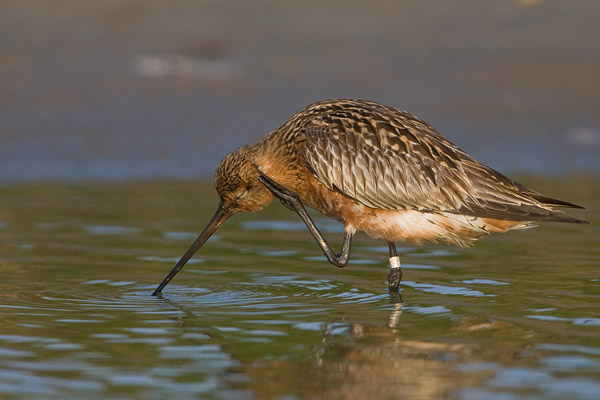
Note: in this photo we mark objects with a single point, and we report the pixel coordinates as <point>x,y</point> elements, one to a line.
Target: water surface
<point>259,314</point>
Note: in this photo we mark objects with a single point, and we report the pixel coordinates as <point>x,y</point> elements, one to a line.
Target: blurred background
<point>110,108</point>
<point>143,89</point>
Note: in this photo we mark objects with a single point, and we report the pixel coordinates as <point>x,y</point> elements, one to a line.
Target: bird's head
<point>236,181</point>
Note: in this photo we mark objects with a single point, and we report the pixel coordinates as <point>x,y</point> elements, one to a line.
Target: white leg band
<point>394,262</point>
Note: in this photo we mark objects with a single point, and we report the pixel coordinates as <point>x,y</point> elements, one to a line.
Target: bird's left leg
<point>395,275</point>
<point>292,201</point>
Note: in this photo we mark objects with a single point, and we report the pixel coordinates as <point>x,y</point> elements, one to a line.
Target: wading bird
<point>376,169</point>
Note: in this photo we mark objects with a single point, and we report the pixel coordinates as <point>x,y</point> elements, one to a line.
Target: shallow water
<point>259,314</point>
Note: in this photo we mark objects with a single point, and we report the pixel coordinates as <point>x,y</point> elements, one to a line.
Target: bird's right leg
<point>292,201</point>
<point>395,275</point>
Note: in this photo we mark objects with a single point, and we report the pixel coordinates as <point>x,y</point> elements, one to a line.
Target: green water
<point>259,314</point>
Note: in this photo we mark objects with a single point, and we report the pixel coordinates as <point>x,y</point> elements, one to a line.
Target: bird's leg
<point>292,201</point>
<point>395,275</point>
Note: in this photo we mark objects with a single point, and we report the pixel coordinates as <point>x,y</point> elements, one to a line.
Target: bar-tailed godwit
<point>376,169</point>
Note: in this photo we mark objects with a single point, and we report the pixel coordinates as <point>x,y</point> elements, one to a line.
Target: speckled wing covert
<point>389,159</point>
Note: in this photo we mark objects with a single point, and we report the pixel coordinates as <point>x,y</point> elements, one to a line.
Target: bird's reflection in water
<point>352,360</point>
<point>397,307</point>
<point>380,363</point>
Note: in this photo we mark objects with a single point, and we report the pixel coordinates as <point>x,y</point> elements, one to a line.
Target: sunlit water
<point>259,314</point>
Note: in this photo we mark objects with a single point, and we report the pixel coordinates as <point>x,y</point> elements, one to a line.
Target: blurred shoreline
<point>143,90</point>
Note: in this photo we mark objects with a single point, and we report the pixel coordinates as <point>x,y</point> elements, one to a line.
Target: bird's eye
<point>243,194</point>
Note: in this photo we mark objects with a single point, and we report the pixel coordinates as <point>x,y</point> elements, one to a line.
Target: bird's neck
<point>278,158</point>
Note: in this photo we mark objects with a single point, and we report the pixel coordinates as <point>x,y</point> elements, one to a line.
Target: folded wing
<point>388,159</point>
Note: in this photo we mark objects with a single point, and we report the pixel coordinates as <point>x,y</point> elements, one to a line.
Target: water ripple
<point>326,226</point>
<point>101,230</point>
<point>484,282</point>
<point>450,290</point>
<point>574,321</point>
<point>169,260</point>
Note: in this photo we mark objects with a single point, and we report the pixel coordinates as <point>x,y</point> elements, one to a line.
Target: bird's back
<point>388,159</point>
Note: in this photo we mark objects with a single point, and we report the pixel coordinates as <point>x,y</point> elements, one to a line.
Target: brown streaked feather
<point>390,160</point>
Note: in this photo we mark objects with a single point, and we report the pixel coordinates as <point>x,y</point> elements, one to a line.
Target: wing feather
<point>389,159</point>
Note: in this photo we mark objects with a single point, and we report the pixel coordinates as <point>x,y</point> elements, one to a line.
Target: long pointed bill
<point>217,220</point>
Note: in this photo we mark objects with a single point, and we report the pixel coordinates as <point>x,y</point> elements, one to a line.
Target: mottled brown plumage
<point>365,158</point>
<point>383,171</point>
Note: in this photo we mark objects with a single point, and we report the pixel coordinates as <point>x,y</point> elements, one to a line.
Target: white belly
<point>418,227</point>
